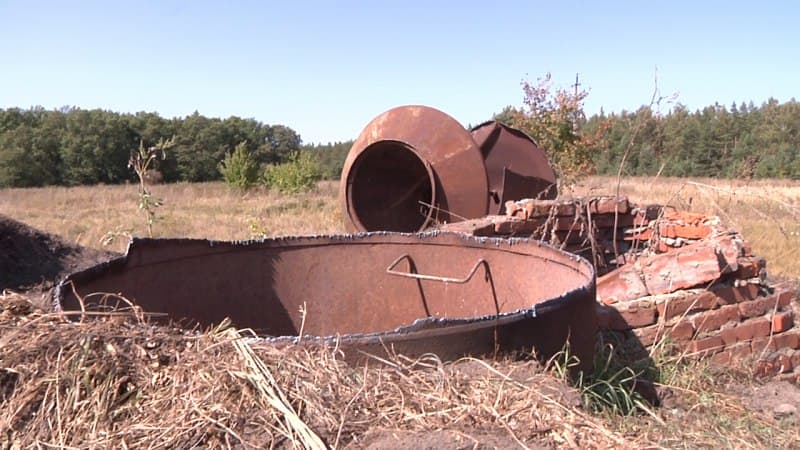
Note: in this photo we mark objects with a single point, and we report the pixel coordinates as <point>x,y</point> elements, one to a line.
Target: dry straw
<point>115,380</point>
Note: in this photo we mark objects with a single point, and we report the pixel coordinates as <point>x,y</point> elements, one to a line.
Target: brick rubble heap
<point>667,274</point>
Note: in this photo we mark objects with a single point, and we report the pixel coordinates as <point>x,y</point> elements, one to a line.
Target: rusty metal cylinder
<point>414,167</point>
<point>411,167</point>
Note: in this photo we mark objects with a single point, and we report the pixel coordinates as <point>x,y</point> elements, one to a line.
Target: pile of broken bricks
<point>667,276</point>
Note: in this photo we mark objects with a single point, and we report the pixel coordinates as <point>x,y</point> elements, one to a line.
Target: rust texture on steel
<point>410,166</point>
<point>415,166</point>
<point>442,293</point>
<point>516,166</point>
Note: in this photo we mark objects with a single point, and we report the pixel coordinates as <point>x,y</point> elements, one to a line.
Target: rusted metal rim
<point>405,200</point>
<point>371,293</point>
<point>460,184</point>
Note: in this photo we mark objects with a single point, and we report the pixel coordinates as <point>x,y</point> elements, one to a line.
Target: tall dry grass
<point>766,212</point>
<point>87,214</point>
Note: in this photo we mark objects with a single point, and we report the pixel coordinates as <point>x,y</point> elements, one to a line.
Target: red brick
<point>683,268</point>
<point>786,296</point>
<point>661,247</point>
<point>637,316</point>
<point>625,316</point>
<point>676,306</point>
<point>640,234</point>
<point>762,344</point>
<point>788,339</point>
<point>476,227</point>
<point>746,331</point>
<point>566,209</point>
<point>640,219</point>
<point>538,208</point>
<point>648,336</point>
<point>681,331</point>
<point>774,364</point>
<point>735,294</point>
<point>607,221</point>
<point>728,356</point>
<point>673,230</point>
<point>750,267</point>
<point>757,307</point>
<point>713,320</point>
<point>510,225</point>
<point>740,351</point>
<point>782,321</point>
<point>609,205</point>
<point>729,250</point>
<point>706,346</point>
<point>530,208</point>
<point>731,356</point>
<point>619,285</point>
<point>686,217</point>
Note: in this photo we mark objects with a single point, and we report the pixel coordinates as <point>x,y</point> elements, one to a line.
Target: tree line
<point>743,141</point>
<point>73,146</point>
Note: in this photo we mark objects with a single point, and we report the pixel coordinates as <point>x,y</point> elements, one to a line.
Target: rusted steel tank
<point>516,166</point>
<point>415,166</point>
<point>411,166</point>
<point>442,293</point>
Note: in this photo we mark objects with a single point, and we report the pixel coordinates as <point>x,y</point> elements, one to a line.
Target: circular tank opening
<point>390,188</point>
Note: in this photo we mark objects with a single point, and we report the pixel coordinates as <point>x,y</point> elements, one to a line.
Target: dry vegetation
<point>117,382</point>
<point>88,215</point>
<point>766,212</point>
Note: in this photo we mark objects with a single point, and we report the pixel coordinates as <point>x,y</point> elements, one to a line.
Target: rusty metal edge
<point>423,326</point>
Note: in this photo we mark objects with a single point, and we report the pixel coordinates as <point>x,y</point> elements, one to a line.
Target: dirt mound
<point>33,260</point>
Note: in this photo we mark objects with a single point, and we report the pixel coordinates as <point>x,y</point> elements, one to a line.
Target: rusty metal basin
<point>443,293</point>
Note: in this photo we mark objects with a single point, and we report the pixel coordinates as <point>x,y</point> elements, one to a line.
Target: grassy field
<point>479,398</point>
<point>767,213</point>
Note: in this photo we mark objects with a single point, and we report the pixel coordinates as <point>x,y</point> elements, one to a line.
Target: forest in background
<point>73,146</point>
<point>743,141</point>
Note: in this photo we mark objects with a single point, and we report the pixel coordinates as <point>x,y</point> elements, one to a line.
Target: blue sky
<point>325,68</point>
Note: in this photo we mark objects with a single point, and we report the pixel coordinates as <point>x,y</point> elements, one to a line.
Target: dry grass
<point>86,214</point>
<point>765,212</point>
<point>117,382</point>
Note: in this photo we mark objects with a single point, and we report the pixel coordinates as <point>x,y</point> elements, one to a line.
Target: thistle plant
<point>141,161</point>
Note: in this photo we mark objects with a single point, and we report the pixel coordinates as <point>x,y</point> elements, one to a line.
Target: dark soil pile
<point>34,260</point>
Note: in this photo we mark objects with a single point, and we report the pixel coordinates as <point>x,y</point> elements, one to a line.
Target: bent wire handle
<point>390,270</point>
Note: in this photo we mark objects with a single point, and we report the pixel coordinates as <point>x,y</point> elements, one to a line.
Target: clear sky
<point>325,68</point>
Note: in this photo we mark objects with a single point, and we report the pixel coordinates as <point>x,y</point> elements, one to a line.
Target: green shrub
<point>300,174</point>
<point>240,168</point>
